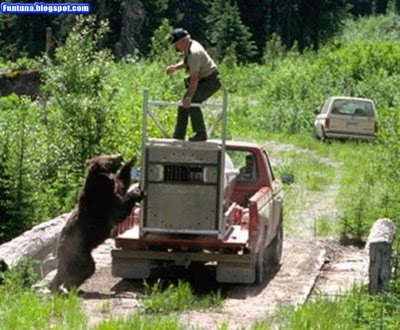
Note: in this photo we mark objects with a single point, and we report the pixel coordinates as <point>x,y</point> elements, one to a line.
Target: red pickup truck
<point>215,201</point>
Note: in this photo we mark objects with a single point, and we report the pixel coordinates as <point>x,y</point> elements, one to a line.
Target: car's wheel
<point>322,137</point>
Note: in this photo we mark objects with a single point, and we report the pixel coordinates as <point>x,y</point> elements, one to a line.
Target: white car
<point>342,117</point>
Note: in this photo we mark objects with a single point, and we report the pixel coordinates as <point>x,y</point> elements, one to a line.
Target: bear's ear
<point>118,160</point>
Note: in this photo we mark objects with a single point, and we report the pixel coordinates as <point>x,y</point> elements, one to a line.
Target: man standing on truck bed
<point>204,81</point>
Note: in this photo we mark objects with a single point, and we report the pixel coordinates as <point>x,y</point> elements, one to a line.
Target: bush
<point>18,134</point>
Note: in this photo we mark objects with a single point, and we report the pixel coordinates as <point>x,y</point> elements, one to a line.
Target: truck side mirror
<point>316,111</point>
<point>287,178</point>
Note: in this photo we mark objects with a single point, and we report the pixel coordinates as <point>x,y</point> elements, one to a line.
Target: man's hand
<point>186,102</point>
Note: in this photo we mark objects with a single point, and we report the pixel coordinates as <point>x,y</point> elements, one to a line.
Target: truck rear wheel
<point>260,266</point>
<point>273,252</point>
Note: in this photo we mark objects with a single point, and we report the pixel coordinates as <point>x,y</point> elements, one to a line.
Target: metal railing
<point>147,112</point>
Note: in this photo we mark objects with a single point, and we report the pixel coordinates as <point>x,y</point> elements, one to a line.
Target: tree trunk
<point>35,244</point>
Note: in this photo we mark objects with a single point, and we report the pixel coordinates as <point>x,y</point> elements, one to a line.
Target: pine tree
<point>133,18</point>
<point>381,6</point>
<point>190,15</point>
<point>161,49</point>
<point>319,20</point>
<point>225,28</point>
<point>254,14</point>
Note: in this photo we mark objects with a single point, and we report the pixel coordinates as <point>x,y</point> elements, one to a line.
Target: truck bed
<point>235,238</point>
<point>236,235</point>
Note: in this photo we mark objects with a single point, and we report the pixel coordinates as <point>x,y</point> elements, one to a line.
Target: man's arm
<point>194,81</point>
<point>172,68</point>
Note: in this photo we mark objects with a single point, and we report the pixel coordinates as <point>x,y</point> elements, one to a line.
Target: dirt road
<point>308,268</point>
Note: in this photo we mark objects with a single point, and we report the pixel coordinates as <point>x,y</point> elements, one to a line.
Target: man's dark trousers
<point>205,88</point>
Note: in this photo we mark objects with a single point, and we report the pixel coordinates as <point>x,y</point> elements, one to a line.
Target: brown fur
<point>103,203</point>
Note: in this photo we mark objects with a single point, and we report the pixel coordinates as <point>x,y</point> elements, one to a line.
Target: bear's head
<point>105,163</point>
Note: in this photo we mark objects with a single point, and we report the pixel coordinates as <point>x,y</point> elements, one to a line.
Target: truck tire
<point>260,267</point>
<point>273,252</point>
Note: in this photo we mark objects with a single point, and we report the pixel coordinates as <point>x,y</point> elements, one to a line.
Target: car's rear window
<point>352,108</point>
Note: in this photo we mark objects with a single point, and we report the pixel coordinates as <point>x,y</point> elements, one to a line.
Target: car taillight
<point>376,128</point>
<point>327,123</point>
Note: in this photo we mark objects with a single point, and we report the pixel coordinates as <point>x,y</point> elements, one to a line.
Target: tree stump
<point>379,246</point>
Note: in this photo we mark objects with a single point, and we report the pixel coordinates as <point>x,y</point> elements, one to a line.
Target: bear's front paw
<point>138,194</point>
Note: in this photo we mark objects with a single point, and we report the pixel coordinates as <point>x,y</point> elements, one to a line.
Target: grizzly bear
<point>103,203</point>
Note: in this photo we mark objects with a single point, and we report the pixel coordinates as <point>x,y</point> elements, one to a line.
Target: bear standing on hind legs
<point>103,203</point>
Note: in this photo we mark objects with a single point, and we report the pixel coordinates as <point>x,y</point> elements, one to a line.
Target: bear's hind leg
<point>81,272</point>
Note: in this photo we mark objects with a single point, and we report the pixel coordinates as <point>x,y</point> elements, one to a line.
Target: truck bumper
<point>346,135</point>
<point>137,264</point>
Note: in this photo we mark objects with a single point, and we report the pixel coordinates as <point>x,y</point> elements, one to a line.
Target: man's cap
<point>178,34</point>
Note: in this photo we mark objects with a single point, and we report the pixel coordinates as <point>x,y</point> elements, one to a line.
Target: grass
<point>319,167</point>
<point>105,307</point>
<point>142,322</point>
<point>356,310</point>
<point>324,226</point>
<point>307,168</point>
<point>178,297</point>
<point>22,308</point>
<point>315,176</point>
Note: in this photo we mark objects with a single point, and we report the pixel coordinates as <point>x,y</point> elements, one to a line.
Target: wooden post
<point>379,246</point>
